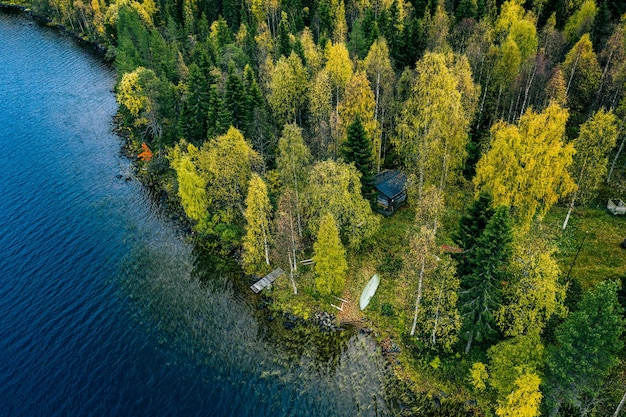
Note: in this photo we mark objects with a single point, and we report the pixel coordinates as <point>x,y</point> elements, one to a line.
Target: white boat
<point>369,291</point>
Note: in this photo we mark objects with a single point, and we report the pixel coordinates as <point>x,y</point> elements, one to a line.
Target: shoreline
<point>404,396</point>
<point>92,46</point>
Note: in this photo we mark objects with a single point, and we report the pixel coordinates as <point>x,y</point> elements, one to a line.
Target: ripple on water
<point>99,315</point>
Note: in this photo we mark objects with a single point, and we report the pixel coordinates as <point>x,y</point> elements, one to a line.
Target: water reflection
<point>205,325</point>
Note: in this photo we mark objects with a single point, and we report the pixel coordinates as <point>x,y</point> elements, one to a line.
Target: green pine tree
<point>586,349</point>
<point>471,226</point>
<point>195,107</point>
<point>218,116</point>
<point>284,43</point>
<point>482,288</point>
<point>235,99</point>
<point>357,149</point>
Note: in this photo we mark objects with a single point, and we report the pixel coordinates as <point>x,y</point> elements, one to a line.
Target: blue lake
<point>99,312</point>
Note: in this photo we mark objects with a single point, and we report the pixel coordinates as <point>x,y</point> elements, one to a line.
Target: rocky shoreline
<point>95,47</point>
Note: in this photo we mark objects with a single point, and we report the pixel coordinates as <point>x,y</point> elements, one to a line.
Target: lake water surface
<point>99,313</point>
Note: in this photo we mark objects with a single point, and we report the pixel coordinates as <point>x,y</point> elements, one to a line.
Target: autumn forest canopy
<point>265,123</point>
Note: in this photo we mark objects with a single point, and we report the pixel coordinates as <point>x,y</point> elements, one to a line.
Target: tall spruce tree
<point>482,286</point>
<point>587,344</point>
<point>235,99</point>
<point>358,150</point>
<point>471,226</point>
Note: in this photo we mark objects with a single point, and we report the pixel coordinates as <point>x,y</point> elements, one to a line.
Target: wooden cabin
<point>391,190</point>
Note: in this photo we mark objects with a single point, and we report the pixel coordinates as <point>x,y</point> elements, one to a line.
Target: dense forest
<point>265,122</point>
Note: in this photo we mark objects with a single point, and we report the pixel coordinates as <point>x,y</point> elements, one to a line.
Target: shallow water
<point>99,315</point>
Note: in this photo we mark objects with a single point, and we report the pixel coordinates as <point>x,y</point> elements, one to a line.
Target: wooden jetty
<point>266,280</point>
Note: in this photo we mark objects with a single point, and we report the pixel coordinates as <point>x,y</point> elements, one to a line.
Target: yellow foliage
<point>525,400</point>
<point>358,99</point>
<point>478,375</point>
<point>129,93</point>
<point>526,167</point>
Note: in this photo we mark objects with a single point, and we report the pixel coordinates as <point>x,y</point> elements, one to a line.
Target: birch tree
<point>596,139</point>
<point>227,164</point>
<point>527,165</point>
<point>288,88</point>
<point>292,163</point>
<point>335,187</point>
<point>287,241</point>
<point>330,258</point>
<point>534,294</point>
<point>191,185</point>
<point>256,241</point>
<point>380,73</point>
<point>432,135</point>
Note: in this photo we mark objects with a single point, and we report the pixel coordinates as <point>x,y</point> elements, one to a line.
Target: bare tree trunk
<point>598,93</point>
<point>498,101</point>
<point>433,336</point>
<point>619,151</point>
<point>418,300</point>
<point>376,118</point>
<point>266,244</point>
<point>528,85</point>
<point>619,407</point>
<point>569,211</point>
<point>569,83</point>
<point>482,101</point>
<point>295,180</point>
<point>469,342</point>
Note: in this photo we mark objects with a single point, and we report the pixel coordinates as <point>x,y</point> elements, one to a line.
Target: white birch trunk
<point>418,300</point>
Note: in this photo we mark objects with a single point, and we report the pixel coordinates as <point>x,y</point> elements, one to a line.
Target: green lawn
<point>601,256</point>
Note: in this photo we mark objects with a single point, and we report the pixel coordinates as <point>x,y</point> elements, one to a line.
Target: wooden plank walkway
<point>266,280</point>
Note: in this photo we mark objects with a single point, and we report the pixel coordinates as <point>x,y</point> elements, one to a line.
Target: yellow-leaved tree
<point>227,164</point>
<point>526,167</point>
<point>330,258</point>
<point>432,135</point>
<point>256,241</point>
<point>534,293</point>
<point>191,185</point>
<point>358,100</point>
<point>525,400</point>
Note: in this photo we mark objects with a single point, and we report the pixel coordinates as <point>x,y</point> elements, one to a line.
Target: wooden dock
<point>266,280</point>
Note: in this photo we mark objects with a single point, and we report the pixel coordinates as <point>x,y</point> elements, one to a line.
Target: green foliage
<point>478,376</point>
<point>587,344</point>
<point>596,139</point>
<point>288,88</point>
<point>335,187</point>
<point>358,150</point>
<point>513,358</point>
<point>433,129</point>
<point>330,258</point>
<point>583,73</point>
<point>227,164</point>
<point>471,227</point>
<point>482,287</point>
<point>525,400</point>
<point>534,293</point>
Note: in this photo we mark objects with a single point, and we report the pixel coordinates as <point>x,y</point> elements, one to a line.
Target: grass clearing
<point>598,235</point>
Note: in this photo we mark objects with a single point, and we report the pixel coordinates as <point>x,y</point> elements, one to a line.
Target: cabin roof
<point>390,182</point>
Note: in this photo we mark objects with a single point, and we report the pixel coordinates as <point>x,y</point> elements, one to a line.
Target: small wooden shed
<point>391,190</point>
